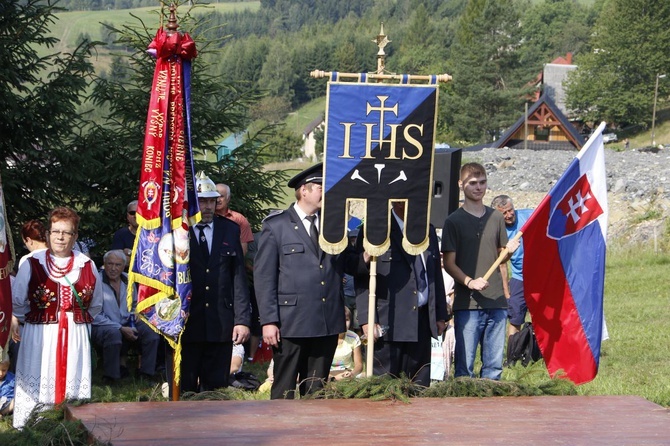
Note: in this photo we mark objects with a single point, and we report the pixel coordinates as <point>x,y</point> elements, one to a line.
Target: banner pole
<point>500,258</point>
<point>372,307</point>
<point>175,386</point>
<point>318,74</point>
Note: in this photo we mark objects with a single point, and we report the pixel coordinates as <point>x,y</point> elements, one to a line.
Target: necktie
<point>420,273</point>
<point>202,241</point>
<point>313,232</point>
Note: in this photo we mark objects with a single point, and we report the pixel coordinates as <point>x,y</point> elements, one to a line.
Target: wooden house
<point>546,127</point>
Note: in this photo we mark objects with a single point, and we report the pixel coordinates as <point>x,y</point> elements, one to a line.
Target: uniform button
<point>286,301</point>
<point>207,305</point>
<point>414,291</point>
<point>207,270</point>
<point>321,266</point>
<point>293,250</point>
<point>207,289</point>
<point>323,283</point>
<point>323,299</point>
<point>414,308</point>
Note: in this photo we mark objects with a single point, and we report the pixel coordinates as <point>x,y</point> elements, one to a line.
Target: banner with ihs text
<point>379,146</point>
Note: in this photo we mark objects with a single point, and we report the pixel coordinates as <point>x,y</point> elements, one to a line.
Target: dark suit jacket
<point>220,297</point>
<point>397,294</point>
<point>296,287</point>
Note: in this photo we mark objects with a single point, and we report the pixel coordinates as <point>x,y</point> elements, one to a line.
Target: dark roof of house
<point>313,125</point>
<point>576,139</point>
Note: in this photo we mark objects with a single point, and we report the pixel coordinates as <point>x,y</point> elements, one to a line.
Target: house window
<point>541,133</point>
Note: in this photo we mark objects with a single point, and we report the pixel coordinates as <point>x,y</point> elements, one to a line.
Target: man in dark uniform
<point>411,303</point>
<point>299,291</point>
<point>220,310</point>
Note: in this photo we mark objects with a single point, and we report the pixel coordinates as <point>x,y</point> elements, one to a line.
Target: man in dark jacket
<point>299,291</point>
<point>411,305</point>
<point>220,313</point>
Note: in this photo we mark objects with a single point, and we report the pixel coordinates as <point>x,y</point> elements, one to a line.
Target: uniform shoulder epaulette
<point>274,214</point>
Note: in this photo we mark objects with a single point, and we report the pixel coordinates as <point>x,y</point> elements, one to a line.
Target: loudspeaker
<point>446,169</point>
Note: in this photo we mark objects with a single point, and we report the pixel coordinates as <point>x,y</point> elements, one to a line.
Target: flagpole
<point>501,257</point>
<point>372,307</point>
<point>171,28</point>
<point>317,74</point>
<point>381,40</point>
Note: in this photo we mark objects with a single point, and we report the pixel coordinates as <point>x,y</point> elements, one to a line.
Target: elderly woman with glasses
<point>56,295</point>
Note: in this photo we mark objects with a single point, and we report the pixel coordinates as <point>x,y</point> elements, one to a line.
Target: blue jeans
<point>485,328</point>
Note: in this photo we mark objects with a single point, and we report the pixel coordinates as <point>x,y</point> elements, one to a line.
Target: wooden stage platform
<point>566,420</point>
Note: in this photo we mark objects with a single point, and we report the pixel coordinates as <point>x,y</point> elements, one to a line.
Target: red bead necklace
<point>56,271</point>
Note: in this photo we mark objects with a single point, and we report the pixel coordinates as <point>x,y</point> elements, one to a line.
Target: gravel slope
<point>638,184</point>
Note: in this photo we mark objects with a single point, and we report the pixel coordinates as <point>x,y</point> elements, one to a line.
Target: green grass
<point>640,137</point>
<point>73,23</point>
<point>291,168</point>
<point>298,120</point>
<point>634,361</point>
<point>68,26</point>
<point>636,358</point>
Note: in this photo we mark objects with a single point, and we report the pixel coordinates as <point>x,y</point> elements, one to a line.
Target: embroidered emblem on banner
<point>379,149</point>
<point>150,192</point>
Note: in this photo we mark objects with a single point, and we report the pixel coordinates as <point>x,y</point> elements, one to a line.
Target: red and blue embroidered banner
<point>6,265</point>
<point>167,203</point>
<point>564,265</point>
<point>379,148</point>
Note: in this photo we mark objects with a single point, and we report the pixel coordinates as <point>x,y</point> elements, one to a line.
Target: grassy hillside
<point>299,119</point>
<point>642,138</point>
<point>70,25</point>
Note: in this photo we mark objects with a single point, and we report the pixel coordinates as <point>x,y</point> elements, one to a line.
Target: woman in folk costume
<point>56,294</point>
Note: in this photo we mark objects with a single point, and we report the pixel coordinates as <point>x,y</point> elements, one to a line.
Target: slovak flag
<point>564,265</point>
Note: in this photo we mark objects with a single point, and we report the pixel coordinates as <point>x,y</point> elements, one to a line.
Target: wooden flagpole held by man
<point>501,257</point>
<point>381,42</point>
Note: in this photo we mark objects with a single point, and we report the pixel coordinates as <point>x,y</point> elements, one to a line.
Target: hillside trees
<point>488,78</point>
<point>553,28</point>
<point>297,13</point>
<point>278,73</point>
<point>424,43</point>
<point>615,80</point>
<point>45,160</point>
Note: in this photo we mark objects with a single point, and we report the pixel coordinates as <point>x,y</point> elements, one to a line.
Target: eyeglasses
<point>132,212</point>
<point>65,234</point>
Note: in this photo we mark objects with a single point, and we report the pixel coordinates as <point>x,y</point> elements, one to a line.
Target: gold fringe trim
<point>376,250</point>
<point>333,248</point>
<point>148,224</point>
<point>175,345</point>
<point>414,250</point>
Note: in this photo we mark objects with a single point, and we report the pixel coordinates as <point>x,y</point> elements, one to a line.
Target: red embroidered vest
<point>47,297</point>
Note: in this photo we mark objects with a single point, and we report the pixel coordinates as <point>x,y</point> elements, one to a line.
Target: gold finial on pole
<point>381,40</point>
<point>172,20</point>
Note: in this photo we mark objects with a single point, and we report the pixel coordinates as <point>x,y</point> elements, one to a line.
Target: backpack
<point>244,381</point>
<point>522,346</point>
